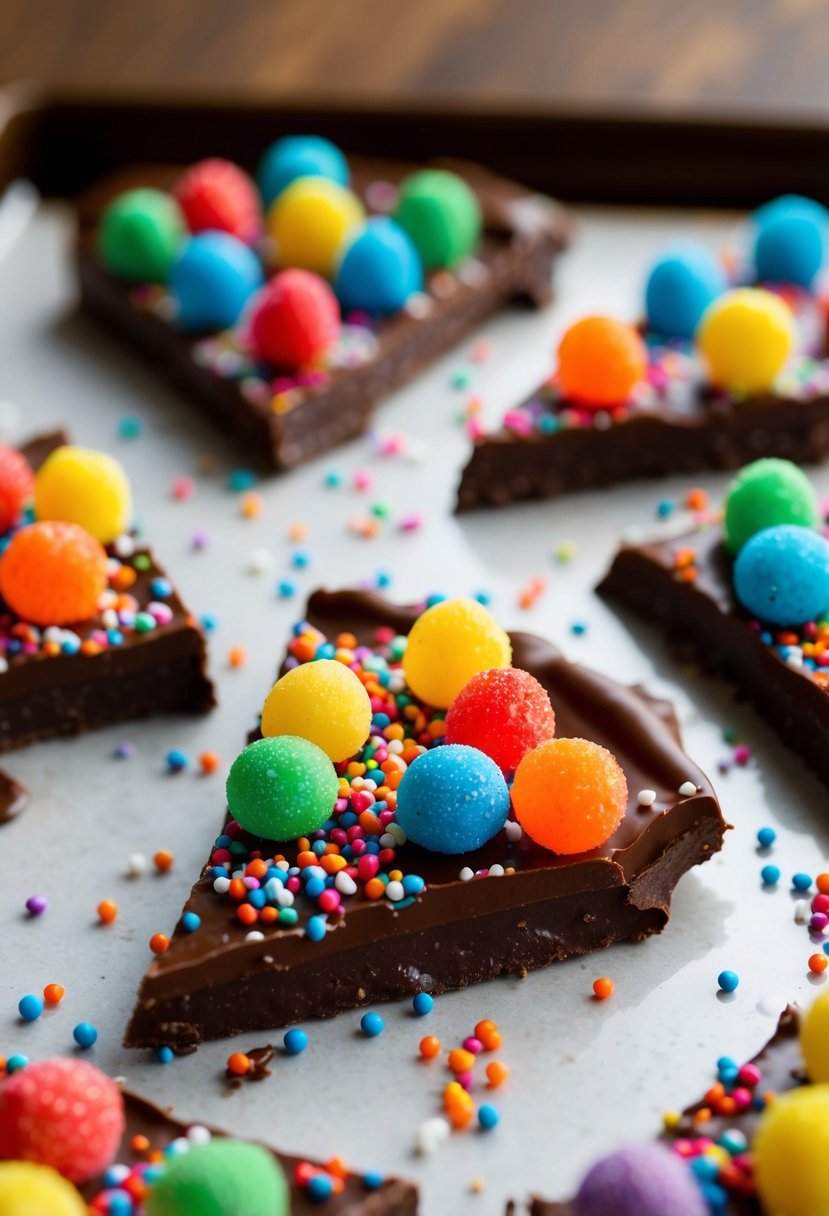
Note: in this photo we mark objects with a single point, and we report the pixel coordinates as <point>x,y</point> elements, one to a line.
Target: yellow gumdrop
<point>309,222</point>
<point>448,645</point>
<point>791,1150</point>
<point>86,488</point>
<point>814,1040</point>
<point>323,702</point>
<point>745,337</point>
<point>37,1190</point>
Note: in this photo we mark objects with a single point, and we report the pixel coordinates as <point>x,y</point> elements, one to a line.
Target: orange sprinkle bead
<point>256,868</point>
<point>237,656</point>
<point>696,499</point>
<point>375,888</point>
<point>139,1144</point>
<point>159,943</point>
<point>247,914</point>
<point>306,858</point>
<point>163,860</point>
<point>602,988</point>
<point>703,1115</point>
<point>337,1168</point>
<point>269,915</point>
<point>496,1073</point>
<point>253,504</point>
<point>346,640</point>
<point>209,762</point>
<point>239,1064</point>
<point>818,963</point>
<point>429,1047</point>
<point>123,578</point>
<point>237,889</point>
<point>53,994</point>
<point>107,911</point>
<point>461,1060</point>
<point>822,883</point>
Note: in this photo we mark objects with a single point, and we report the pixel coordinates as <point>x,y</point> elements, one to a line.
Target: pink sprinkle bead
<point>472,1044</point>
<point>363,479</point>
<point>742,1097</point>
<point>329,900</point>
<point>368,866</point>
<point>749,1075</point>
<point>293,883</point>
<point>465,1079</point>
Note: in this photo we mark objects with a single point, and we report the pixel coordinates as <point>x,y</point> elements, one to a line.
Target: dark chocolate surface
<point>523,233</point>
<point>394,1197</point>
<point>703,616</point>
<point>14,798</point>
<point>213,983</point>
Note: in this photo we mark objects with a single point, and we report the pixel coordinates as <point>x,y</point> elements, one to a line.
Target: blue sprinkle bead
<point>371,1025</point>
<point>766,837</point>
<point>372,1180</point>
<point>315,929</point>
<point>212,279</point>
<point>16,1062</point>
<point>380,269</point>
<point>801,882</point>
<point>239,480</point>
<point>85,1035</point>
<point>781,575</point>
<point>299,156</point>
<point>285,589</point>
<point>30,1007</point>
<point>728,981</point>
<point>130,427</point>
<point>295,1041</point>
<point>177,761</point>
<point>770,875</point>
<point>164,1055</point>
<point>190,922</point>
<point>422,1004</point>
<point>680,286</point>
<point>488,1117</point>
<point>320,1187</point>
<point>452,799</point>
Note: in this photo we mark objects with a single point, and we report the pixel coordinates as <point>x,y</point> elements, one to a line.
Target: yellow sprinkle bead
<point>814,1040</point>
<point>323,702</point>
<point>309,222</point>
<point>745,337</point>
<point>791,1149</point>
<point>37,1190</point>
<point>86,488</point>
<point>449,644</point>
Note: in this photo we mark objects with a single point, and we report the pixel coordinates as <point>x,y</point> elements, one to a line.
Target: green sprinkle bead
<point>222,1178</point>
<point>282,788</point>
<point>441,215</point>
<point>141,234</point>
<point>764,494</point>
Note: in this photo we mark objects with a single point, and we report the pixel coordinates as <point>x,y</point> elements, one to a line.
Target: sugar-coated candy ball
<point>140,235</point>
<point>745,337</point>
<point>216,194</point>
<point>766,493</point>
<point>790,236</point>
<point>295,319</point>
<point>87,488</point>
<point>299,156</point>
<point>281,788</point>
<point>569,795</point>
<point>27,1189</point>
<point>324,702</point>
<point>680,286</point>
<point>212,279</point>
<point>643,1180</point>
<point>53,573</point>
<point>379,270</point>
<point>452,799</point>
<point>503,712</point>
<point>17,485</point>
<point>309,222</point>
<point>781,575</point>
<point>600,362</point>
<point>64,1113</point>
<point>790,1150</point>
<point>221,1178</point>
<point>449,644</point>
<point>814,1039</point>
<point>441,214</point>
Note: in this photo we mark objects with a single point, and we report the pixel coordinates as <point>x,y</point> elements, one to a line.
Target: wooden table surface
<point>672,55</point>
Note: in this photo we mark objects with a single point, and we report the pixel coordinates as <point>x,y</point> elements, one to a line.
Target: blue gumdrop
<point>781,575</point>
<point>790,240</point>
<point>379,270</point>
<point>212,279</point>
<point>299,156</point>
<point>452,799</point>
<point>680,286</point>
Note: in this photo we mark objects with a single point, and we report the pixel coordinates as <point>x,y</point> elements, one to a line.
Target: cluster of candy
<point>747,338</point>
<point>458,1102</point>
<point>54,569</point>
<point>349,768</point>
<point>204,252</point>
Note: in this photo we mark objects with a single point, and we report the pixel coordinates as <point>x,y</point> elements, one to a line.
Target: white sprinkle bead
<point>395,891</point>
<point>648,797</point>
<point>466,874</point>
<point>802,911</point>
<point>687,789</point>
<point>395,830</point>
<point>255,935</point>
<point>136,865</point>
<point>513,830</point>
<point>387,841</point>
<point>179,1146</point>
<point>221,885</point>
<point>285,898</point>
<point>259,561</point>
<point>394,747</point>
<point>345,884</point>
<point>496,871</point>
<point>197,1134</point>
<point>124,546</point>
<point>431,1135</point>
<point>118,1173</point>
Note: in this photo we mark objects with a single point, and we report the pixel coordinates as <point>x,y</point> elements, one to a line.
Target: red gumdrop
<point>216,194</point>
<point>63,1113</point>
<point>17,485</point>
<point>296,319</point>
<point>504,712</point>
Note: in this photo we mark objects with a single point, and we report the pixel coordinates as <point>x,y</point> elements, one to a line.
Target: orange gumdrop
<point>600,361</point>
<point>569,795</point>
<point>53,573</point>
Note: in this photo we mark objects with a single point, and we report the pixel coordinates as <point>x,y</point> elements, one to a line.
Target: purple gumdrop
<point>645,1180</point>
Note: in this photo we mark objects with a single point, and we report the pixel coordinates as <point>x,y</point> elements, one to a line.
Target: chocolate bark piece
<point>781,1064</point>
<point>146,673</point>
<point>702,616</point>
<point>523,234</point>
<point>394,1196</point>
<point>214,983</point>
<point>700,432</point>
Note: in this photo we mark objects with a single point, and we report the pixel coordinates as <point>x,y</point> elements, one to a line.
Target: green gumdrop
<point>764,494</point>
<point>222,1178</point>
<point>441,214</point>
<point>141,234</point>
<point>282,788</point>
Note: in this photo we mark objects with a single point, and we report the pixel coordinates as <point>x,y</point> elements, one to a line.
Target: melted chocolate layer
<point>703,616</point>
<point>213,982</point>
<point>523,234</point>
<point>14,798</point>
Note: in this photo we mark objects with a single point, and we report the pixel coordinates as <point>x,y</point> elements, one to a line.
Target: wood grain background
<point>674,55</point>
